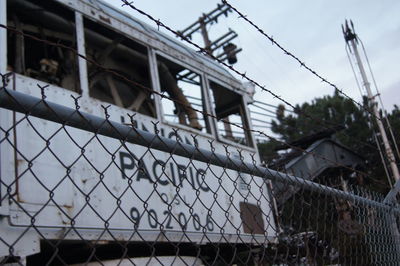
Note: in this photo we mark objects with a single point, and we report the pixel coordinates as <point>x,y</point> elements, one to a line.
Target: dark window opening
<point>51,23</point>
<point>231,119</point>
<point>120,74</point>
<point>184,87</point>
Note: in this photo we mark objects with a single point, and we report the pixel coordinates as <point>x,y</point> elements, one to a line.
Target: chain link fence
<point>80,189</point>
<point>83,183</point>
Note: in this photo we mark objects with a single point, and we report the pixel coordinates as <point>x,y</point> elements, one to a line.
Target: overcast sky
<point>311,30</point>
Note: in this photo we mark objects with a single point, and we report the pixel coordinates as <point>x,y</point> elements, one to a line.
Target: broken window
<point>41,59</point>
<point>184,87</point>
<point>230,113</point>
<point>120,74</point>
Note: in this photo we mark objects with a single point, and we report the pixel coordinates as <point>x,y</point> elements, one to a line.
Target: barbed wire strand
<point>204,51</point>
<point>288,53</point>
<point>162,95</point>
<point>242,74</point>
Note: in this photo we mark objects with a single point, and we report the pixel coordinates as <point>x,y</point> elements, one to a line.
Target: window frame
<point>210,132</point>
<point>245,116</point>
<point>4,45</point>
<point>82,63</point>
<point>149,53</point>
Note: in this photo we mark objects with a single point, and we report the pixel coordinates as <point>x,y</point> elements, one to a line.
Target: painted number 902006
<point>167,220</point>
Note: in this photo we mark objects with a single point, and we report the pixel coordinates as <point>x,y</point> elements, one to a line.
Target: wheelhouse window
<point>43,54</point>
<point>186,103</point>
<point>230,113</point>
<point>120,73</point>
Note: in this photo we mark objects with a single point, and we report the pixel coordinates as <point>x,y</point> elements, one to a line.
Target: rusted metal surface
<point>253,222</point>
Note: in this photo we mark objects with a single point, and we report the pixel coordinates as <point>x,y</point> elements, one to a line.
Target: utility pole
<point>204,33</point>
<point>352,40</point>
<point>229,49</point>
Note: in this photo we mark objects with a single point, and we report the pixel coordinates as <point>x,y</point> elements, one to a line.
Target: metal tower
<point>352,41</point>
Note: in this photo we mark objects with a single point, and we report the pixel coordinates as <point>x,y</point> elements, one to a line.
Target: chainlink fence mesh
<point>82,189</point>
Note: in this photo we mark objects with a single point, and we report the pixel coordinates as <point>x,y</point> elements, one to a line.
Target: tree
<point>329,112</point>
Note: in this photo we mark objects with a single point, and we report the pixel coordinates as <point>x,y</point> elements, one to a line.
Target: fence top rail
<point>41,108</point>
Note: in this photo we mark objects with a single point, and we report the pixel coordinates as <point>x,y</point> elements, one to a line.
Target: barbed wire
<point>204,51</point>
<point>302,63</point>
<point>162,95</point>
<point>242,74</point>
<point>57,149</point>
